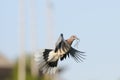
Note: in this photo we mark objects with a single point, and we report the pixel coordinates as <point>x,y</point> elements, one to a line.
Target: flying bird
<point>47,59</point>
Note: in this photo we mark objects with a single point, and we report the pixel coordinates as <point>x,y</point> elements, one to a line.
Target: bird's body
<point>47,59</point>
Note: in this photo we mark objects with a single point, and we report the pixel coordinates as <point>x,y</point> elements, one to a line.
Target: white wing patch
<point>42,63</point>
<point>53,56</point>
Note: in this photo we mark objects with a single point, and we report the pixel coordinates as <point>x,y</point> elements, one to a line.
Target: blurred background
<point>29,25</point>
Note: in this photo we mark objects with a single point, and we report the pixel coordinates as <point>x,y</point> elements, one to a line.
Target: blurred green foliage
<point>28,71</point>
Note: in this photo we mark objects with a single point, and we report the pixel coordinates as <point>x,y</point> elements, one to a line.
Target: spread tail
<point>45,65</point>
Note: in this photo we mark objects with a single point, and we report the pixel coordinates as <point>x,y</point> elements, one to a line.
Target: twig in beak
<point>76,44</point>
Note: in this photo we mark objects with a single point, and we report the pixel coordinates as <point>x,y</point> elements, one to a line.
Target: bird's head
<point>72,38</point>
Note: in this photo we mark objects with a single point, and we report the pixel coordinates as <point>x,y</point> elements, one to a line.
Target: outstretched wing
<point>77,55</point>
<point>61,44</point>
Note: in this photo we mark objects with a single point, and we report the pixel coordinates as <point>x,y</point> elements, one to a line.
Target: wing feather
<point>78,56</point>
<point>61,44</point>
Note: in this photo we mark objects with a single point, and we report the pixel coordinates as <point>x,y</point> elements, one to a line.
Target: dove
<point>47,59</point>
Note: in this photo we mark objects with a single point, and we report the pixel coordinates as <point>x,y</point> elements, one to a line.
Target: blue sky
<point>95,22</point>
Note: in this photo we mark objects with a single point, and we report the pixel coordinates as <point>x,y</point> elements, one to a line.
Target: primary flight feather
<point>47,59</point>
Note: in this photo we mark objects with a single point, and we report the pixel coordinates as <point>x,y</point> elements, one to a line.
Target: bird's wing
<point>61,44</point>
<point>77,55</point>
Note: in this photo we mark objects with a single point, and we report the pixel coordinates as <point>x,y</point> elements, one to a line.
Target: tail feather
<point>41,58</point>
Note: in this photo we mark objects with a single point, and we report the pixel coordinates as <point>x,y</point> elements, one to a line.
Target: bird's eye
<point>73,37</point>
